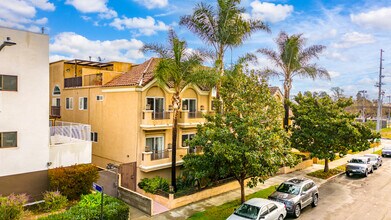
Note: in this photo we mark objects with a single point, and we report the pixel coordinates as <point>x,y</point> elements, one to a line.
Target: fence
<point>64,132</point>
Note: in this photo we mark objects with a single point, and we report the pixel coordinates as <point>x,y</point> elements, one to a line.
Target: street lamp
<point>7,42</point>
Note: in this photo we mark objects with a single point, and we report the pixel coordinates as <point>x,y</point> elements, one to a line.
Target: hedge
<point>11,207</point>
<point>73,181</point>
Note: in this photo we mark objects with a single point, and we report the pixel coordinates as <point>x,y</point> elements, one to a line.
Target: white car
<point>259,209</point>
<point>375,160</point>
<point>359,165</point>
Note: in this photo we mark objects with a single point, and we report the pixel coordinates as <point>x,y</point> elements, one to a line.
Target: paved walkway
<point>186,211</point>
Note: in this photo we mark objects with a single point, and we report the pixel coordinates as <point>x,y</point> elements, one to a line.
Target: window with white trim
<point>69,103</point>
<point>56,90</point>
<point>83,103</point>
<point>8,139</point>
<point>99,98</point>
<point>94,136</point>
<point>186,137</point>
<point>8,83</point>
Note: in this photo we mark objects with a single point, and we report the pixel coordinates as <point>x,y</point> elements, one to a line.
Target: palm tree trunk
<point>176,102</point>
<point>286,104</point>
<point>220,62</point>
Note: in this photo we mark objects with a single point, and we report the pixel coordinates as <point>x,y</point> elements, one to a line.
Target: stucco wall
<point>67,154</point>
<point>25,111</point>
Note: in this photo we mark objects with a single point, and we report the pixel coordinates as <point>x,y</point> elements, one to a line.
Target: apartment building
<point>28,145</point>
<point>130,115</point>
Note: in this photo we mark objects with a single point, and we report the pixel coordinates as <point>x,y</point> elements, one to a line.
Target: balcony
<point>73,82</point>
<point>151,161</point>
<point>191,119</point>
<point>152,120</point>
<point>55,111</point>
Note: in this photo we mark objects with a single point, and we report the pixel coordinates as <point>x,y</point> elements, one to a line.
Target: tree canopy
<point>324,128</point>
<point>245,140</point>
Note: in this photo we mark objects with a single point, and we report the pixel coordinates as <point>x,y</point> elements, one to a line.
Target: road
<point>354,198</point>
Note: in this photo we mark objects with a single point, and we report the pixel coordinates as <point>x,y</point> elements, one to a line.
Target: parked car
<point>386,151</point>
<point>258,208</point>
<point>359,165</point>
<point>296,194</point>
<point>375,160</point>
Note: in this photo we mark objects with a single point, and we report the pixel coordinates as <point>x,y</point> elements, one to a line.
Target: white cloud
<point>334,74</point>
<point>22,14</point>
<point>93,6</point>
<point>150,4</point>
<point>269,11</point>
<point>145,26</point>
<point>70,45</point>
<point>354,38</point>
<point>379,18</point>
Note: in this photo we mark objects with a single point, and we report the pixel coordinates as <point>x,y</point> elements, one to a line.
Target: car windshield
<point>387,148</point>
<point>247,211</point>
<point>289,188</point>
<point>357,161</point>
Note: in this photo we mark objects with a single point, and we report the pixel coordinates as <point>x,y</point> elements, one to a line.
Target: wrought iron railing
<point>157,155</point>
<point>73,82</point>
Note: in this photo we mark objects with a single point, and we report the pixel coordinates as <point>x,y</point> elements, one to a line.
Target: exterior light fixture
<point>7,42</point>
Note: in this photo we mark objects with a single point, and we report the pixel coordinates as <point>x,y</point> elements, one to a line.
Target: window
<point>99,97</point>
<point>272,207</point>
<point>8,83</point>
<point>94,136</point>
<point>189,104</point>
<point>83,103</point>
<point>157,105</point>
<point>56,90</point>
<point>69,103</point>
<point>8,139</point>
<point>155,144</point>
<point>186,137</point>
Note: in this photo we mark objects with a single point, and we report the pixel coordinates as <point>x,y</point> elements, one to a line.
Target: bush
<point>11,207</point>
<point>89,209</point>
<point>53,201</point>
<point>73,181</point>
<point>154,184</point>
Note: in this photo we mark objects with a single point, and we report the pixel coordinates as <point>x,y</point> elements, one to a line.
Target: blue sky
<point>353,31</point>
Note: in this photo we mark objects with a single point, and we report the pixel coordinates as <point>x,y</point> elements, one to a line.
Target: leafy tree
<point>222,27</point>
<point>245,140</point>
<point>177,67</point>
<point>337,92</point>
<point>323,127</point>
<point>292,60</point>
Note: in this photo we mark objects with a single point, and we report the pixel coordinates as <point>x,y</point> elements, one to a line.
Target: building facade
<point>26,149</point>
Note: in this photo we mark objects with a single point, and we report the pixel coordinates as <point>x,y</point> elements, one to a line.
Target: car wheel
<point>315,200</point>
<point>366,173</point>
<point>371,170</point>
<point>281,217</point>
<point>347,173</point>
<point>297,211</point>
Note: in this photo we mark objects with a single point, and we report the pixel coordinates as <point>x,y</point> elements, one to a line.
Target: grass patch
<point>226,209</point>
<point>385,133</point>
<point>378,152</point>
<point>325,175</point>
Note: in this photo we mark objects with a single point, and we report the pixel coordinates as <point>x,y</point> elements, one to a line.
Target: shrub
<point>89,208</point>
<point>154,184</point>
<point>11,207</point>
<point>73,181</point>
<point>53,201</point>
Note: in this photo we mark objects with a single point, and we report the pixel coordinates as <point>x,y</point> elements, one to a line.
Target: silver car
<point>296,194</point>
<point>386,151</point>
<point>359,165</point>
<point>259,209</point>
<point>375,160</point>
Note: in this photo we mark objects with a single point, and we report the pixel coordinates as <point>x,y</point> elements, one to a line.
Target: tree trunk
<point>220,60</point>
<point>326,165</point>
<point>176,102</point>
<point>242,193</point>
<point>287,88</point>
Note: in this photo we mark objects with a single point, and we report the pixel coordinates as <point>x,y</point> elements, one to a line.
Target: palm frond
<point>312,71</point>
<point>159,49</point>
<point>310,53</point>
<point>272,56</point>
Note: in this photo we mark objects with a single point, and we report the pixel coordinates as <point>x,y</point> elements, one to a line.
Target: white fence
<point>65,132</point>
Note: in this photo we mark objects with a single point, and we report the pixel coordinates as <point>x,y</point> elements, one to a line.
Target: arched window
<point>56,91</point>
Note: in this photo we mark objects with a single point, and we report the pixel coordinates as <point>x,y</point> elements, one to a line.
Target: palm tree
<point>292,59</point>
<point>221,28</point>
<point>177,67</point>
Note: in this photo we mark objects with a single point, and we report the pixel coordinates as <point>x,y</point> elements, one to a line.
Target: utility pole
<point>379,100</point>
<point>389,101</point>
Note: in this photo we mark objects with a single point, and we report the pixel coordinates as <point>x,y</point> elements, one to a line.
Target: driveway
<point>354,198</point>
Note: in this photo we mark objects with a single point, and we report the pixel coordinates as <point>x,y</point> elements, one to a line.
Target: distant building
<point>29,145</point>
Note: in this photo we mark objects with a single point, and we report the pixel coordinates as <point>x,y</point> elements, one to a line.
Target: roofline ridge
<point>145,70</point>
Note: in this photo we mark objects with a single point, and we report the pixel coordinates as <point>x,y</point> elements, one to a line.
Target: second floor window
<point>157,105</point>
<point>186,137</point>
<point>94,136</point>
<point>69,103</point>
<point>8,139</point>
<point>83,103</point>
<point>8,83</point>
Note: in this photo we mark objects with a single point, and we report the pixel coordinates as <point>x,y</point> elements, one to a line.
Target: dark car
<point>296,194</point>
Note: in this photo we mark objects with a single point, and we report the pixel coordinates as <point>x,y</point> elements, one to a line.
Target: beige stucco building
<point>129,114</point>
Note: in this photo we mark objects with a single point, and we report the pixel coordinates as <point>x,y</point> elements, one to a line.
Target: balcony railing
<point>157,115</point>
<point>55,111</point>
<point>65,132</point>
<point>194,115</point>
<point>73,82</point>
<point>157,155</point>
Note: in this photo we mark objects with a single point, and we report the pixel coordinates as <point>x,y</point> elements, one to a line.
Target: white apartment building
<point>28,146</point>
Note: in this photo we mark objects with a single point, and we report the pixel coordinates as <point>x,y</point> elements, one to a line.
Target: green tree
<point>245,140</point>
<point>292,59</point>
<point>324,128</point>
<point>178,67</point>
<point>222,28</point>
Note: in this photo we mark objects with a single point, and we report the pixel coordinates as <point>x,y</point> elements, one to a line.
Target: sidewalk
<point>186,211</point>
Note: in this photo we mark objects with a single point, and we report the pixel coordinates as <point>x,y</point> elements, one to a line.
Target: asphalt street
<point>354,198</point>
